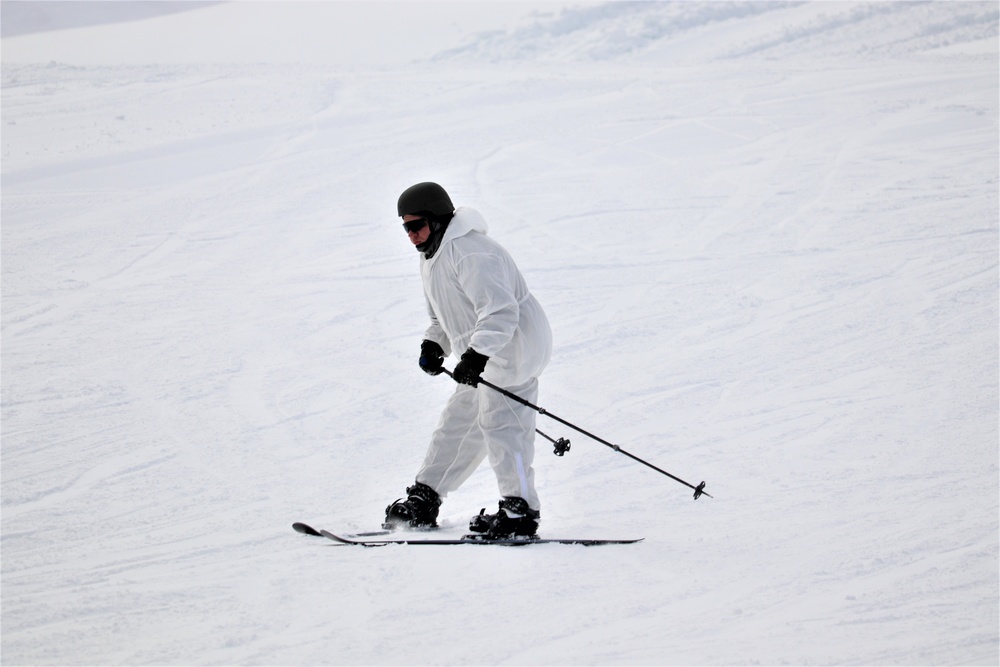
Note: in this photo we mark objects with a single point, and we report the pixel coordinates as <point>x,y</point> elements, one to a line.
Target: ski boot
<point>419,510</point>
<point>513,519</point>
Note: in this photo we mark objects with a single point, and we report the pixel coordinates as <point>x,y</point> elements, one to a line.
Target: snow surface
<point>766,235</point>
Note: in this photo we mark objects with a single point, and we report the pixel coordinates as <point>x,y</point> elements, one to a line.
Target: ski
<point>306,529</point>
<point>469,539</point>
<point>363,539</point>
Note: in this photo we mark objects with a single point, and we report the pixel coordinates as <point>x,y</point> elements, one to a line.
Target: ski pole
<point>698,490</point>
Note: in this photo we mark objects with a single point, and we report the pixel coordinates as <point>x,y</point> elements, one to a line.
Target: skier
<point>480,308</point>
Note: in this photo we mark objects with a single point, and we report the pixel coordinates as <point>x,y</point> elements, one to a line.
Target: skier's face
<point>419,236</point>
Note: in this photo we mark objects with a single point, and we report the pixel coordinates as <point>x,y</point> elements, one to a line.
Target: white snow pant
<point>478,422</point>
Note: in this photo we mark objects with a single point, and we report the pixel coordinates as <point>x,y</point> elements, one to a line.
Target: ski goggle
<point>415,225</point>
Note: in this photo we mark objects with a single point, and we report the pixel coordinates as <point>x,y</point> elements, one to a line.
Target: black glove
<point>431,357</point>
<point>468,370</point>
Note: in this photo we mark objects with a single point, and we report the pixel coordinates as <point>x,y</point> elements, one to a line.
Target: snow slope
<point>766,235</point>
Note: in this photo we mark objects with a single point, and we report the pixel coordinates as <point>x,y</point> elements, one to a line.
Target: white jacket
<point>477,298</point>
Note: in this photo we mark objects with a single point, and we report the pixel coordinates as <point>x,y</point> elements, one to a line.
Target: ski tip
<point>306,529</point>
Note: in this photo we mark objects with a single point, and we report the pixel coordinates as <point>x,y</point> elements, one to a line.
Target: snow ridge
<point>641,30</point>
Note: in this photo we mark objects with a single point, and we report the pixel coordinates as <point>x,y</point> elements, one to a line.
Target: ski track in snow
<point>765,234</point>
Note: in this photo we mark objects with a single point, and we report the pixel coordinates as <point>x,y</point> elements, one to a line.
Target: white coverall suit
<point>477,298</point>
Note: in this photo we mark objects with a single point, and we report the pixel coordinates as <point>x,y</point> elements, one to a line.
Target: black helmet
<point>425,198</point>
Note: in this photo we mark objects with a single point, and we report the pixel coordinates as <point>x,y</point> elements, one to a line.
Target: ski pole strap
<point>699,490</point>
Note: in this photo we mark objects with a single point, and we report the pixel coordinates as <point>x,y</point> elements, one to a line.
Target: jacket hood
<point>466,220</point>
